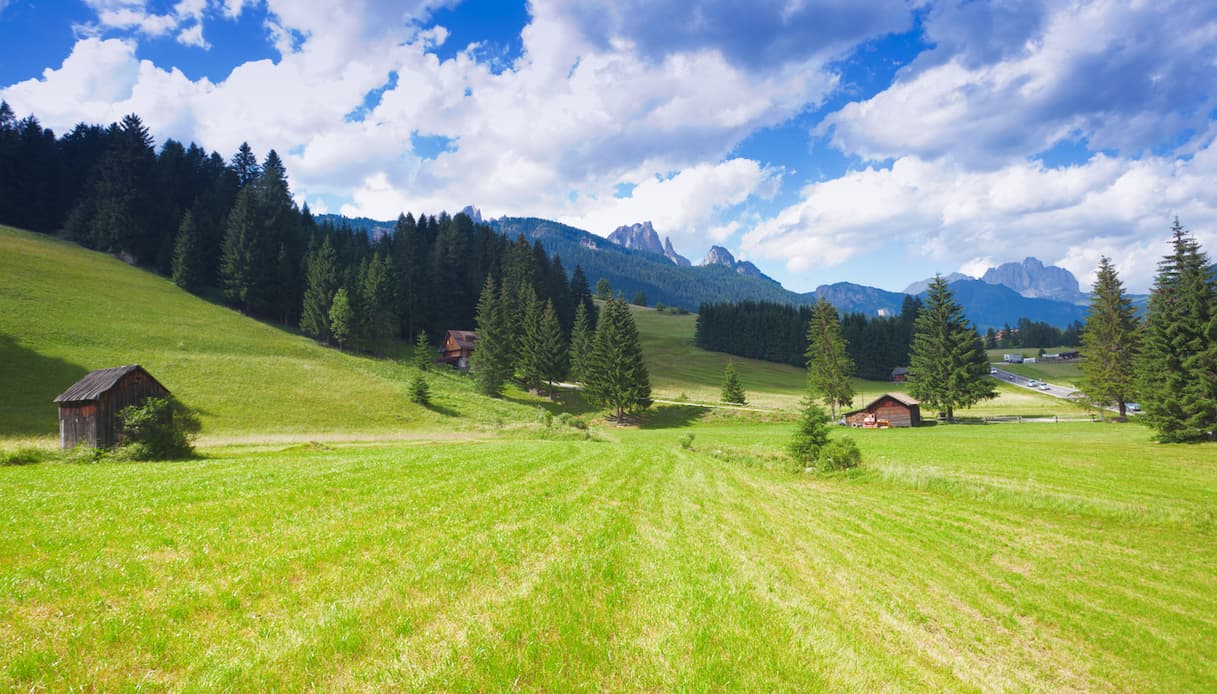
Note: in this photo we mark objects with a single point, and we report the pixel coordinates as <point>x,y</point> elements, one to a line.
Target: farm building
<point>896,409</point>
<point>457,348</point>
<point>900,374</point>
<point>88,411</point>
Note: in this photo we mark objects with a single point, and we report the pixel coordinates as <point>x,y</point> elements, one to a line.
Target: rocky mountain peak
<point>472,213</point>
<point>1033,279</point>
<point>917,287</point>
<point>638,237</point>
<point>718,255</point>
<point>671,254</point>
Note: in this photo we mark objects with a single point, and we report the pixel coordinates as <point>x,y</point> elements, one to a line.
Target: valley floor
<point>1060,557</point>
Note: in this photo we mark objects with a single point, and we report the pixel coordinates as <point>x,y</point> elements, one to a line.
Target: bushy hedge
<point>159,429</point>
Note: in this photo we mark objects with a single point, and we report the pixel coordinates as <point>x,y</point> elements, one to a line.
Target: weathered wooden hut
<point>457,348</point>
<point>88,411</point>
<point>900,374</point>
<point>896,409</point>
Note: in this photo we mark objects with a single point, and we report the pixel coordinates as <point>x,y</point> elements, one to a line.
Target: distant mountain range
<point>633,259</point>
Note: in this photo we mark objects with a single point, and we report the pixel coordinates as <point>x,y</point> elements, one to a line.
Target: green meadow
<point>333,536</point>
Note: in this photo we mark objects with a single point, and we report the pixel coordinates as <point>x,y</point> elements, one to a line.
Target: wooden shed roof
<point>901,398</point>
<point>97,382</point>
<point>463,338</point>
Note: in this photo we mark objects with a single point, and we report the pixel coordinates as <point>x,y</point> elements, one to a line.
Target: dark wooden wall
<point>97,422</point>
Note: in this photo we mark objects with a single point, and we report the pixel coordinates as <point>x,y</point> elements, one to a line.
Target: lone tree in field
<point>829,368</point>
<point>1111,340</point>
<point>616,375</point>
<point>1177,369</point>
<point>491,361</point>
<point>811,434</point>
<point>733,390</point>
<point>948,366</point>
<point>422,351</point>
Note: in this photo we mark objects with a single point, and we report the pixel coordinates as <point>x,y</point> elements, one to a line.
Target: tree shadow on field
<point>31,381</point>
<point>671,416</point>
<point>442,410</point>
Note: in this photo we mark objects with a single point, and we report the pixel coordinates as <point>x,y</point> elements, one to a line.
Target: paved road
<point>1047,389</point>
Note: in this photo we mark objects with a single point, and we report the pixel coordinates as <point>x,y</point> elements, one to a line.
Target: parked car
<point>1133,407</point>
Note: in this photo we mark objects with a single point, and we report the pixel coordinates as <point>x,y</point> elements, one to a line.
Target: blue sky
<point>874,141</point>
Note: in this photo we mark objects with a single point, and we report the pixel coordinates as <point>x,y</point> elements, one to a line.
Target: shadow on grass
<point>32,381</point>
<point>671,416</point>
<point>442,410</point>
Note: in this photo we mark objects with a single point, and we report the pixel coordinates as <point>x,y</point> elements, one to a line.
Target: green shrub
<point>568,419</point>
<point>420,392</point>
<point>811,434</point>
<point>686,441</point>
<point>840,454</point>
<point>159,429</point>
<point>26,455</point>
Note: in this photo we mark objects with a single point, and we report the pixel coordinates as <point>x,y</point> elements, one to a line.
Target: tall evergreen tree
<point>1177,369</point>
<point>617,376</point>
<point>491,360</point>
<point>550,346</point>
<point>322,280</point>
<point>581,343</point>
<point>733,390</point>
<point>188,256</point>
<point>526,338</point>
<point>341,316</point>
<point>244,165</point>
<point>949,368</point>
<point>1111,341</point>
<point>241,275</point>
<point>581,294</point>
<point>829,367</point>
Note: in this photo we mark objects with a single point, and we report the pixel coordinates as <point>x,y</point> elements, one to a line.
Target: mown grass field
<point>469,547</point>
<point>948,563</point>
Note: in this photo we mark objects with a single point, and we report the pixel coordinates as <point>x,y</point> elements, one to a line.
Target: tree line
<point>779,333</point>
<point>231,230</point>
<point>1031,333</point>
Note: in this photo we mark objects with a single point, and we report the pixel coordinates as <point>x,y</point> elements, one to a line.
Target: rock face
<point>638,237</point>
<point>473,213</point>
<point>1033,279</point>
<point>718,255</point>
<point>671,254</point>
<point>918,287</point>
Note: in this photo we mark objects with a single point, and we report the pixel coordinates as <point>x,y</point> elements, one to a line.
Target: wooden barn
<point>896,409</point>
<point>900,374</point>
<point>457,348</point>
<point>88,411</point>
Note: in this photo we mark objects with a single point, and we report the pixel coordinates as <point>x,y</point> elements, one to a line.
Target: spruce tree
<point>604,290</point>
<point>341,316</point>
<point>550,345</point>
<point>422,351</point>
<point>1111,341</point>
<point>321,282</point>
<point>238,272</point>
<point>491,360</point>
<point>581,293</point>
<point>187,256</point>
<point>948,366</point>
<point>526,337</point>
<point>616,375</point>
<point>811,434</point>
<point>733,390</point>
<point>1177,369</point>
<point>581,342</point>
<point>829,367</point>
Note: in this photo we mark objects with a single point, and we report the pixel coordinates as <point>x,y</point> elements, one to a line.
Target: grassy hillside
<point>65,311</point>
<point>1076,557</point>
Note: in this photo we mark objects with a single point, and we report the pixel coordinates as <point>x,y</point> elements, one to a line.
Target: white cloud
<point>193,36</point>
<point>946,213</point>
<point>1124,76</point>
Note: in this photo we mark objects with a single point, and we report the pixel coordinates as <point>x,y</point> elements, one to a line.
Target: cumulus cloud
<point>1114,206</point>
<point>1123,76</point>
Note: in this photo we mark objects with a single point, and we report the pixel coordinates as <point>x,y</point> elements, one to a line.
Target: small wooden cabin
<point>897,409</point>
<point>900,374</point>
<point>88,411</point>
<point>457,348</point>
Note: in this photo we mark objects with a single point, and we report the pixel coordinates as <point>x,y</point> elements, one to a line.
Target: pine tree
<point>581,293</point>
<point>244,165</point>
<point>616,375</point>
<point>949,368</point>
<point>526,337</point>
<point>420,392</point>
<point>604,290</point>
<point>239,275</point>
<point>341,316</point>
<point>1111,341</point>
<point>491,360</point>
<point>581,342</point>
<point>733,390</point>
<point>550,346</point>
<point>811,434</point>
<point>321,282</point>
<point>1177,369</point>
<point>187,256</point>
<point>829,367</point>
<point>422,351</point>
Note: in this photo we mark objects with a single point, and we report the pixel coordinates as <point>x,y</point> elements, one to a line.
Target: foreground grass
<point>627,564</point>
